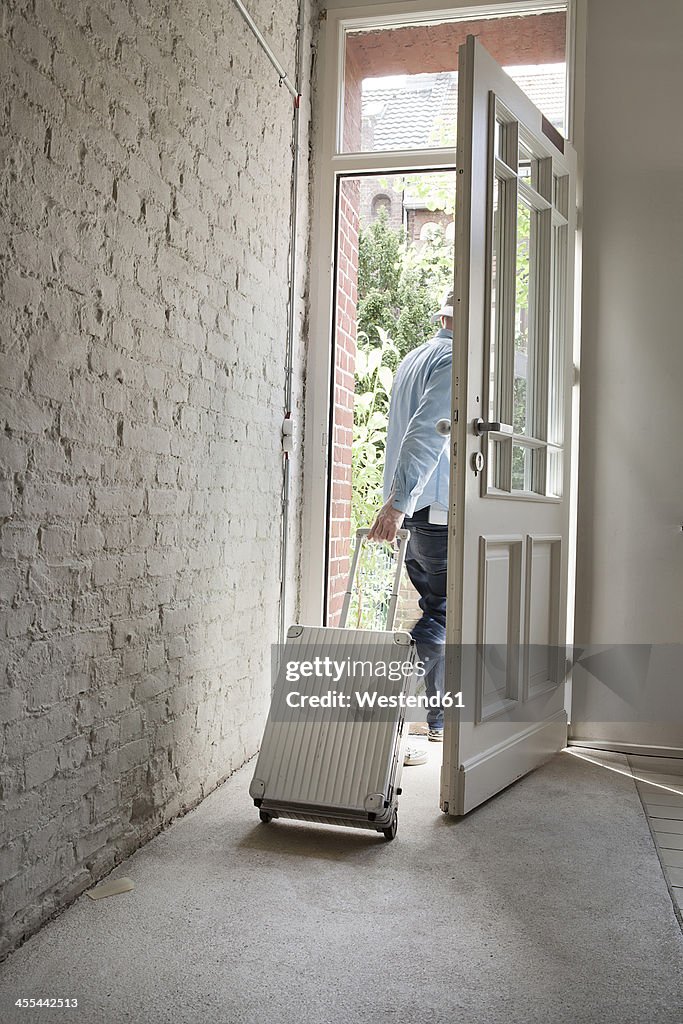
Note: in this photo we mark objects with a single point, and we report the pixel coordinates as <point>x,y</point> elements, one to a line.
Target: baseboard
<point>480,778</point>
<point>618,747</point>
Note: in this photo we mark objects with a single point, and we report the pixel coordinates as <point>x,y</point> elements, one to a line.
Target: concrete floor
<point>545,906</point>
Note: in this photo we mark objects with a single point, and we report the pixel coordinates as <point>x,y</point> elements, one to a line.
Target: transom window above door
<point>400,84</point>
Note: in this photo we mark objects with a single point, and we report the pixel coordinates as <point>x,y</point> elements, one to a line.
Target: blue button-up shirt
<point>416,463</point>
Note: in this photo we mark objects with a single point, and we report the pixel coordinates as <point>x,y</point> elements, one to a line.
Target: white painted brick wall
<point>145,170</point>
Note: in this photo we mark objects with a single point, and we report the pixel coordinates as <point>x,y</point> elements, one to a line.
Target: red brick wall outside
<point>528,39</point>
<point>531,39</point>
<point>345,361</point>
<point>346,299</point>
<point>416,220</point>
<point>371,188</point>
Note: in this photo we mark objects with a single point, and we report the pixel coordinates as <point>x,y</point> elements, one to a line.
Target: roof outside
<point>419,111</point>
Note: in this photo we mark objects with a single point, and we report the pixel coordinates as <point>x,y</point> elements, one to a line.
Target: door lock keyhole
<point>477,463</point>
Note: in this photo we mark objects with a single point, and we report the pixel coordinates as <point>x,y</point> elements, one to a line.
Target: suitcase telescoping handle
<point>361,536</point>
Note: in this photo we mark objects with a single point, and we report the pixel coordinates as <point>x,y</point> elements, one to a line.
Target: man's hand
<point>387,524</point>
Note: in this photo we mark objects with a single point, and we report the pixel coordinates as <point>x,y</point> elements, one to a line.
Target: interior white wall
<point>630,540</point>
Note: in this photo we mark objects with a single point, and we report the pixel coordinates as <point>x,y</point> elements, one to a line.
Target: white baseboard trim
<point>497,768</point>
<point>617,747</point>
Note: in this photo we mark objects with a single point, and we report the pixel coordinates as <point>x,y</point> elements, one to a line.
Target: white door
<point>508,552</point>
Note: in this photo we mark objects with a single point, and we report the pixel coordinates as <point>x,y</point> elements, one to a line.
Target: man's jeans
<point>426,565</point>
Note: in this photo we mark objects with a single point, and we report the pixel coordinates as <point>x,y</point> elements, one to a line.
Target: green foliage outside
<point>437,190</point>
<point>399,288</point>
<point>374,380</point>
<point>400,285</point>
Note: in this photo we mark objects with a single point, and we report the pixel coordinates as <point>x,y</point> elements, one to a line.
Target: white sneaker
<point>414,755</point>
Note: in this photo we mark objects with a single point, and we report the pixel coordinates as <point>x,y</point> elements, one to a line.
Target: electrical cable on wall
<point>288,425</point>
<point>282,74</point>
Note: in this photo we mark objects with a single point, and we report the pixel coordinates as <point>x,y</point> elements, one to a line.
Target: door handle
<point>443,427</point>
<point>480,427</point>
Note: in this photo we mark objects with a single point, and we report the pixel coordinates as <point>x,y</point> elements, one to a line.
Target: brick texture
<point>525,39</point>
<point>346,301</point>
<point>145,173</point>
<point>345,361</point>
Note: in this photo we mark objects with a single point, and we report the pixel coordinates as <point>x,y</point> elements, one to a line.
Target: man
<point>416,477</point>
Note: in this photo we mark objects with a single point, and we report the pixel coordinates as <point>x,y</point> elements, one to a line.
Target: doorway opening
<point>394,261</point>
<point>397,91</point>
<point>388,211</point>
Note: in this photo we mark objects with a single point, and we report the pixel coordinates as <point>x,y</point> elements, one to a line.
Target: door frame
<point>335,21</point>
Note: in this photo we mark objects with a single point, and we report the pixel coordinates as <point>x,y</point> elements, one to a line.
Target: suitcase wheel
<point>265,817</point>
<point>390,833</point>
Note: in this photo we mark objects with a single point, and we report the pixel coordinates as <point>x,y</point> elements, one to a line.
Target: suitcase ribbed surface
<point>331,759</point>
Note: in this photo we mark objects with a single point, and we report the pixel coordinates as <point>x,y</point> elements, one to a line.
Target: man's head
<point>446,312</point>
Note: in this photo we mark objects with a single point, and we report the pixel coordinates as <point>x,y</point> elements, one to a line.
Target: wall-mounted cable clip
<point>288,434</point>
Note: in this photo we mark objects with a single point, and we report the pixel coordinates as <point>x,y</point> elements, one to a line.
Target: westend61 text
<point>370,699</point>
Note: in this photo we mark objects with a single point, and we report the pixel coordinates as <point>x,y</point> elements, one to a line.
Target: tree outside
<point>400,285</point>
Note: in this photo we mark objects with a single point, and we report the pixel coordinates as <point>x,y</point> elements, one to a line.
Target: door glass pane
<point>494,403</point>
<point>556,373</point>
<point>524,277</point>
<point>560,193</point>
<point>555,469</point>
<point>498,147</point>
<point>527,268</point>
<point>527,166</point>
<point>506,141</point>
<point>522,468</point>
<point>498,464</point>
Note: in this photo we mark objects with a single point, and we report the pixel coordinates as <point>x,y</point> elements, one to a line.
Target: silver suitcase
<point>339,765</point>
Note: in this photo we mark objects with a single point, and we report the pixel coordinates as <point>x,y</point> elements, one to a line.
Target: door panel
<point>542,639</point>
<point>508,522</point>
<point>500,591</point>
